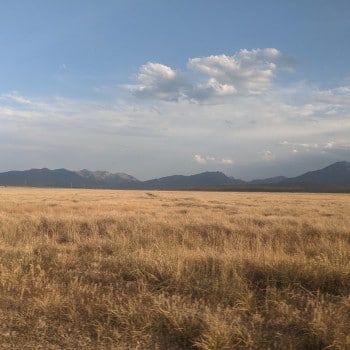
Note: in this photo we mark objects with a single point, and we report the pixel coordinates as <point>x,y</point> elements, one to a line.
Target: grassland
<point>94,269</point>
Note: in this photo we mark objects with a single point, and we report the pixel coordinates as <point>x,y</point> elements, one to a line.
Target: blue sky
<point>153,88</point>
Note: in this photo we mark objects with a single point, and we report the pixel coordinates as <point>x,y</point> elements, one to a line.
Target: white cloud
<point>248,72</point>
<point>16,98</point>
<point>213,160</point>
<point>157,81</point>
<point>329,145</point>
<point>335,97</point>
<point>199,159</point>
<point>209,90</point>
<point>226,161</point>
<point>315,147</point>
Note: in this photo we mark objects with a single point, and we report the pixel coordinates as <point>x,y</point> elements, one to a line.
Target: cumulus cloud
<point>226,161</point>
<point>158,81</point>
<point>329,145</point>
<point>199,159</point>
<point>248,72</point>
<point>209,90</point>
<point>210,159</point>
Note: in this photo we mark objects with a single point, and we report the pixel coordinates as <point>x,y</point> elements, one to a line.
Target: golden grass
<point>99,269</point>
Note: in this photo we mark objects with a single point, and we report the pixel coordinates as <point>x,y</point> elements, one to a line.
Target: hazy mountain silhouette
<point>65,178</point>
<point>333,177</point>
<point>270,180</point>
<point>334,174</point>
<point>206,179</point>
<point>107,179</point>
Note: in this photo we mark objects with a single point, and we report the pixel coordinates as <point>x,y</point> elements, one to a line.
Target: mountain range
<point>335,177</point>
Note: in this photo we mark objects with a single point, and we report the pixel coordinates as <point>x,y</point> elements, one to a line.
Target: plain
<point>100,269</point>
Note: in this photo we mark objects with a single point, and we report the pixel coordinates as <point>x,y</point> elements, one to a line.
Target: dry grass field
<point>99,269</point>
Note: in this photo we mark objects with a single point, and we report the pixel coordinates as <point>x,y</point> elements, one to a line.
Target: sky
<point>160,87</point>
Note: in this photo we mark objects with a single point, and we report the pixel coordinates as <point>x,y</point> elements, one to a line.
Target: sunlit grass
<point>98,269</point>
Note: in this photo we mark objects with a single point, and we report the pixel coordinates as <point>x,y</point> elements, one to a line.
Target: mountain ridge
<point>206,178</point>
<point>333,177</point>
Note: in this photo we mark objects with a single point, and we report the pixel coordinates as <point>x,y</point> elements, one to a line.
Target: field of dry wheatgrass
<point>99,269</point>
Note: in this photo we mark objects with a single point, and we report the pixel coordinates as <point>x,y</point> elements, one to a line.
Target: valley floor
<point>101,269</point>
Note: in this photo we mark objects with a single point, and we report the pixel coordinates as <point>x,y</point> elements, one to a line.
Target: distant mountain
<point>335,177</point>
<point>106,179</point>
<point>65,178</point>
<point>270,180</point>
<point>40,177</point>
<point>334,174</point>
<point>202,180</point>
